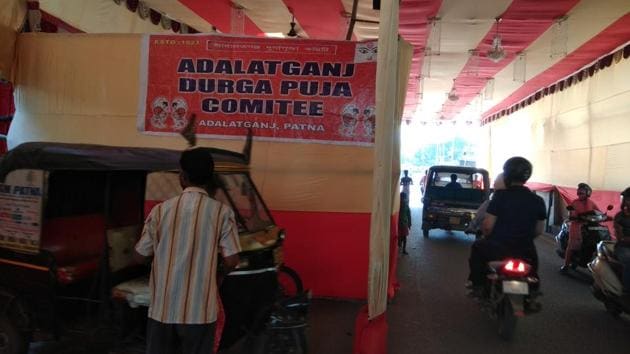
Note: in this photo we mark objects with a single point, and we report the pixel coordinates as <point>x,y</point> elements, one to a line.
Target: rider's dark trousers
<point>623,255</point>
<point>484,251</point>
<point>171,338</point>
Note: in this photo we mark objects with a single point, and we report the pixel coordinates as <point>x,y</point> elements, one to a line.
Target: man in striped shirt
<point>185,235</point>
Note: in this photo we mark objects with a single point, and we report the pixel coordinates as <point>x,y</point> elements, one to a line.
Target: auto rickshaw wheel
<point>289,282</point>
<point>11,340</point>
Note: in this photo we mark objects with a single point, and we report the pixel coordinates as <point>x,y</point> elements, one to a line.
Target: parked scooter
<point>510,292</point>
<point>607,284</point>
<point>593,231</point>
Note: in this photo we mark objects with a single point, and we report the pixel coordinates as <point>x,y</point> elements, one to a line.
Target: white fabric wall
<point>579,134</point>
<point>92,97</point>
<point>12,13</point>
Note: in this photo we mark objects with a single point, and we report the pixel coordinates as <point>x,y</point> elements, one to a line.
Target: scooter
<point>510,292</point>
<point>593,231</point>
<point>607,284</point>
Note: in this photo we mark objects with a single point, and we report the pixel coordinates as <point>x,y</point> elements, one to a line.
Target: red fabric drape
<point>393,284</point>
<point>370,337</point>
<point>7,108</point>
<point>330,250</point>
<point>540,187</point>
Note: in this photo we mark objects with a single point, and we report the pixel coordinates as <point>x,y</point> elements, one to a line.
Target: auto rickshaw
<point>70,215</point>
<point>452,196</point>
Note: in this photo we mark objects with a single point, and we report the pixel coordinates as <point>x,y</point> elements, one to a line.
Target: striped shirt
<point>185,235</point>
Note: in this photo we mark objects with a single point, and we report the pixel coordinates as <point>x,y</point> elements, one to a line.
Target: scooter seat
<point>494,265</point>
<point>70,273</point>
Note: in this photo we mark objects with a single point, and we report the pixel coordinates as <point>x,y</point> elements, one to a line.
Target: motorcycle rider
<point>514,218</point>
<point>475,224</point>
<point>622,232</point>
<point>582,204</point>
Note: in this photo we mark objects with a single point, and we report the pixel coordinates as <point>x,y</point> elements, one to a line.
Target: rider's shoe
<point>476,292</point>
<point>532,306</point>
<point>564,269</point>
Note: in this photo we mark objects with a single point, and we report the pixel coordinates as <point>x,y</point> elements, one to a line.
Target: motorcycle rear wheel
<point>612,308</point>
<point>507,320</point>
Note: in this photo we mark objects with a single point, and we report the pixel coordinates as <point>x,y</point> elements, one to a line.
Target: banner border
<point>143,81</point>
<point>143,92</point>
<point>266,138</point>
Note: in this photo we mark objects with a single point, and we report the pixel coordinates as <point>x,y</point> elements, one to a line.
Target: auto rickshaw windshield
<point>234,189</point>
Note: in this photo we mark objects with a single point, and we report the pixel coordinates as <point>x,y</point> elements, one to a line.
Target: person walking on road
<point>404,222</point>
<point>406,181</point>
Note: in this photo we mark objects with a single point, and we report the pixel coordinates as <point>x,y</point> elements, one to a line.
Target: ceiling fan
<point>293,32</point>
<point>496,53</point>
<point>452,95</point>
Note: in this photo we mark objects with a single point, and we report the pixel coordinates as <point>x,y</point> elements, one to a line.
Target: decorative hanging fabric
<point>143,10</point>
<point>175,26</point>
<point>155,17</point>
<point>132,5</point>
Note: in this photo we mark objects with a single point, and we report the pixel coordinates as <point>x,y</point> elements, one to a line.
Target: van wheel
<point>11,340</point>
<point>425,233</point>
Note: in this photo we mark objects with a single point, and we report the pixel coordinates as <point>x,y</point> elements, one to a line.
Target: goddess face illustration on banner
<point>160,109</point>
<point>369,121</point>
<point>179,113</point>
<point>349,120</point>
<point>365,52</point>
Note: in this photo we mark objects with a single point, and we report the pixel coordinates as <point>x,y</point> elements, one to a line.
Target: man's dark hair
<point>587,189</point>
<point>517,169</point>
<point>198,165</point>
<point>453,177</point>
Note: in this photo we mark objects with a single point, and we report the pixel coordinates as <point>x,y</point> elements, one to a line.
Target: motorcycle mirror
<point>570,208</point>
<point>610,207</point>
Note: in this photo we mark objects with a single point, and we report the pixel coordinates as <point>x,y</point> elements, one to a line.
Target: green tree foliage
<point>453,152</point>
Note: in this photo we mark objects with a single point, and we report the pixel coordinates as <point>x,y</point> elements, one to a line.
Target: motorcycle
<point>607,284</point>
<point>509,293</point>
<point>593,231</point>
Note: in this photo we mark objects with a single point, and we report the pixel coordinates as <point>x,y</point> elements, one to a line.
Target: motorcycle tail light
<point>516,267</point>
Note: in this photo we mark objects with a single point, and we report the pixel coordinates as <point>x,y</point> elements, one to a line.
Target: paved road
<point>431,313</point>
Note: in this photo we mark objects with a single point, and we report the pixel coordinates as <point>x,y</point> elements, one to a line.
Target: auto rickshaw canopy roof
<point>458,169</point>
<point>61,156</point>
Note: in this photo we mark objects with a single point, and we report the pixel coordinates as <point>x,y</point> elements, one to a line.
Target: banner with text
<point>21,197</point>
<point>291,90</point>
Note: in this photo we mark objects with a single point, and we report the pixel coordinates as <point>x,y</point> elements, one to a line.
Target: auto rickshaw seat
<point>70,273</point>
<point>77,244</point>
